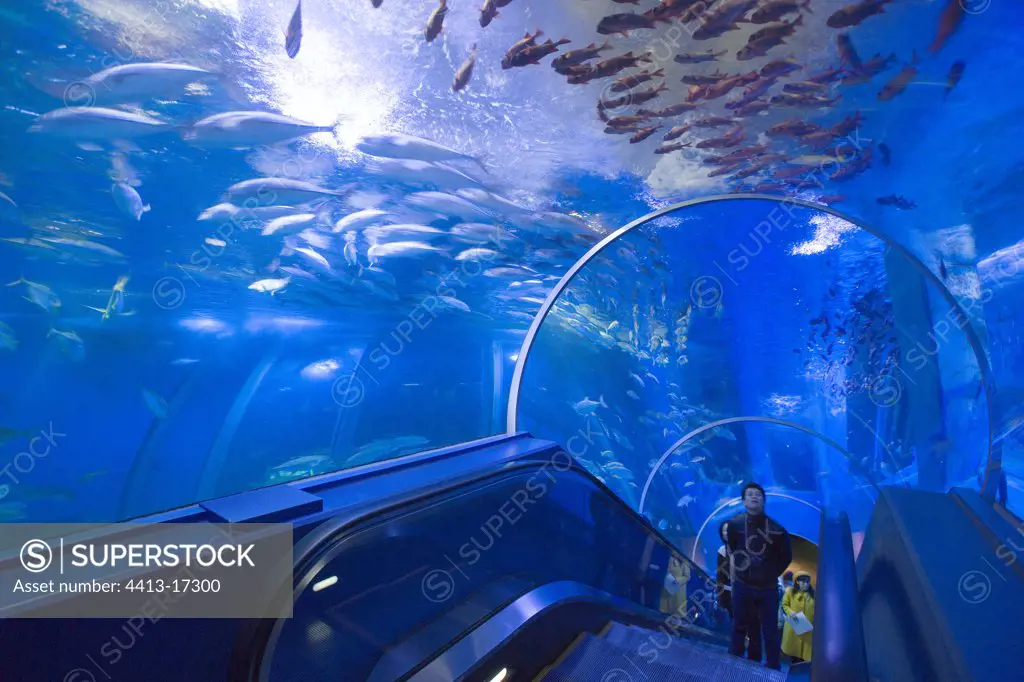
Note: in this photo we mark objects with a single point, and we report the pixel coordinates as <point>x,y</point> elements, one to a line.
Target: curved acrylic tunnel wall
<point>754,306</point>
<point>349,397</point>
<point>689,471</point>
<point>244,400</point>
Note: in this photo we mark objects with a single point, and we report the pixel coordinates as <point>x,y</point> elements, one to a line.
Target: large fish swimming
<point>465,72</point>
<point>134,83</point>
<point>773,10</point>
<point>443,204</point>
<point>852,15</point>
<point>289,224</point>
<point>242,129</point>
<point>399,146</point>
<point>951,17</point>
<point>115,304</point>
<point>246,216</point>
<point>387,234</point>
<point>490,201</point>
<point>436,21</point>
<point>40,294</point>
<point>361,219</point>
<point>422,174</point>
<point>276,191</point>
<point>84,247</point>
<point>379,252</point>
<point>92,124</point>
<point>624,23</point>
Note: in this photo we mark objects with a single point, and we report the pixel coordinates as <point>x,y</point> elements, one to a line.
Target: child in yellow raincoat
<point>673,594</point>
<point>799,599</point>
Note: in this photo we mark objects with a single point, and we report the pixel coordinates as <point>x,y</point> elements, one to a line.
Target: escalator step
<point>713,662</point>
<point>565,654</point>
<point>618,634</point>
<point>595,660</point>
<point>682,661</point>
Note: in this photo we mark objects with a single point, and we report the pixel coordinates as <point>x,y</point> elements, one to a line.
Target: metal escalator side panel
<point>838,636</point>
<point>528,520</point>
<point>937,602</point>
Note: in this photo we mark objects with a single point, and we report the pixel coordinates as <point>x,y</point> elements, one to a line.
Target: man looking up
<point>761,551</point>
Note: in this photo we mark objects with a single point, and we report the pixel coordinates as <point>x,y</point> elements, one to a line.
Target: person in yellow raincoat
<point>673,594</point>
<point>799,599</point>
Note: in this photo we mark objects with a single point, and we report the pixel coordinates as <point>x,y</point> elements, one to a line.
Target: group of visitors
<point>779,614</point>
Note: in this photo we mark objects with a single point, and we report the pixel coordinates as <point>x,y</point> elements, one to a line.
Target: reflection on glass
<point>756,307</point>
<point>448,565</point>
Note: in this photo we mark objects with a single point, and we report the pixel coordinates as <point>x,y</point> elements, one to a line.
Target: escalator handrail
<point>316,548</point>
<point>838,636</point>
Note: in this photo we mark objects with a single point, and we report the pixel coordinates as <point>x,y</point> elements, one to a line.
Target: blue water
<point>198,386</point>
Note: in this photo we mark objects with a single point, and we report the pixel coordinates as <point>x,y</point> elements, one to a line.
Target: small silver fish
<point>271,286</point>
<point>70,343</point>
<point>587,406</point>
<point>128,200</point>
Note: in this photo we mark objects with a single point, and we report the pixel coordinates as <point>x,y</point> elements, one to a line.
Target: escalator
<point>622,653</point>
<point>502,559</point>
<point>530,571</point>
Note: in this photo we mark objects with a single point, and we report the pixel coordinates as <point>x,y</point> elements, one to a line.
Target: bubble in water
<point>662,525</point>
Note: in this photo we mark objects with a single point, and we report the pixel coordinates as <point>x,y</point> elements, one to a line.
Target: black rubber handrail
<point>314,549</point>
<point>838,636</point>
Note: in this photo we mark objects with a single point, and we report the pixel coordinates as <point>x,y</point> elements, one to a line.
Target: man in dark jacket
<point>760,551</point>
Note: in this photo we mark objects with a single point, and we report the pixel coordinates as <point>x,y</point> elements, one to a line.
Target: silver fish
<point>399,146</point>
<point>271,191</point>
<point>96,124</point>
<point>271,286</point>
<point>242,129</point>
<point>128,200</point>
<point>134,83</point>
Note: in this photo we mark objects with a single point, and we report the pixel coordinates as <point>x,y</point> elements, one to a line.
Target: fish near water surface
<point>135,83</point>
<point>624,23</point>
<point>96,124</point>
<point>562,62</point>
<point>465,72</point>
<point>293,34</point>
<point>273,191</point>
<point>243,129</point>
<point>400,146</point>
<point>436,21</point>
<point>852,15</point>
<point>533,54</point>
<point>774,10</point>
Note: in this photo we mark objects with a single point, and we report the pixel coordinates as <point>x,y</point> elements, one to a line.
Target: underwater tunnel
<point>742,338</point>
